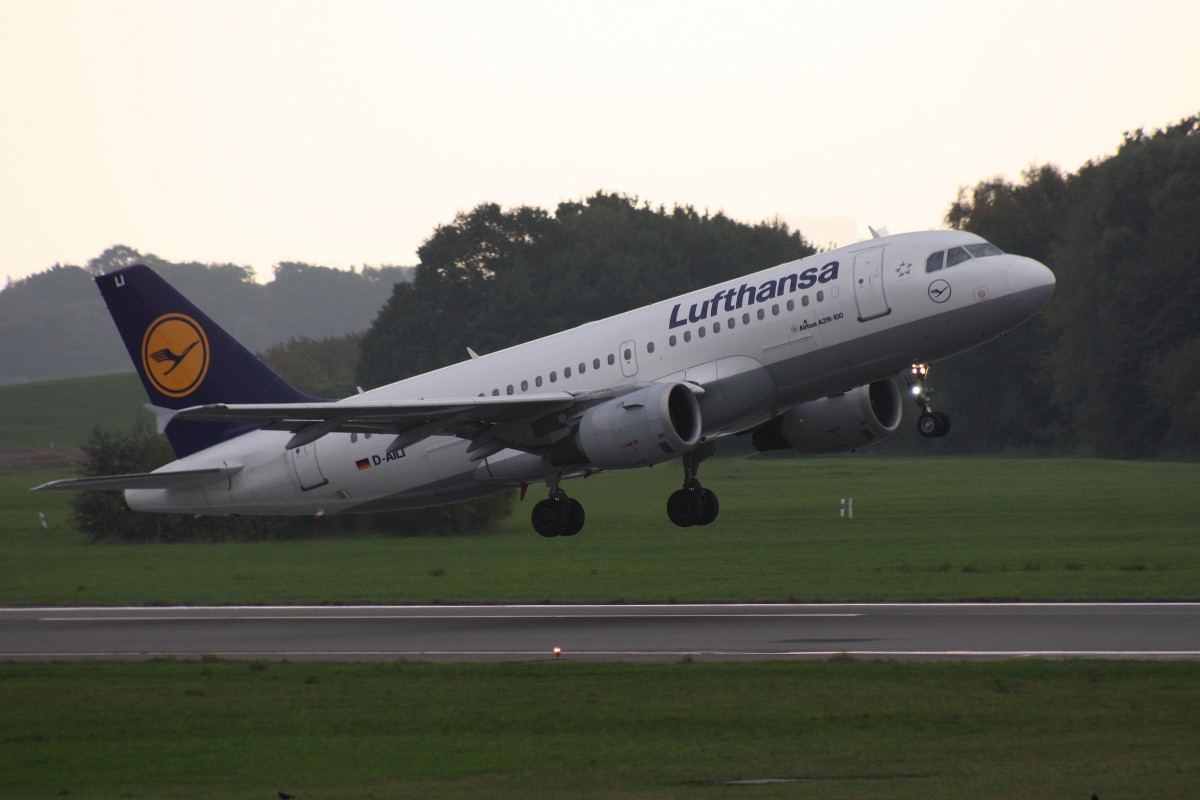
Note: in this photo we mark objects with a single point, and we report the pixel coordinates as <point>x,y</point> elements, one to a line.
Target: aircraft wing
<point>492,423</point>
<point>179,479</point>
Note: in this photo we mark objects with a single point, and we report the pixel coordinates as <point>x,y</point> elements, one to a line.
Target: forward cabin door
<point>868,284</point>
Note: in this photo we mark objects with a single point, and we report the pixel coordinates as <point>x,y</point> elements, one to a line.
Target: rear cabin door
<point>308,471</point>
<point>868,284</point>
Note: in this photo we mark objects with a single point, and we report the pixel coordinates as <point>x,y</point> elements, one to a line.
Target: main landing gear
<point>558,515</point>
<point>931,424</point>
<point>693,504</point>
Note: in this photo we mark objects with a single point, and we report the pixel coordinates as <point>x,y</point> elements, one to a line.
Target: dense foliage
<point>494,278</point>
<point>1112,368</point>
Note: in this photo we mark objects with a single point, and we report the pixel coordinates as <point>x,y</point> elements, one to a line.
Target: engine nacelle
<point>640,428</point>
<point>849,421</point>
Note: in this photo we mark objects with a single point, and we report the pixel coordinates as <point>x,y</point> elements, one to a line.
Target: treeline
<point>1112,367</point>
<point>494,278</point>
<point>54,324</point>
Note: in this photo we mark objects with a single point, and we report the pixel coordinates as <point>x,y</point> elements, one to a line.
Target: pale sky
<point>342,133</point>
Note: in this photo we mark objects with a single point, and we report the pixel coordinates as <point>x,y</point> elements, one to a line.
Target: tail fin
<point>185,359</point>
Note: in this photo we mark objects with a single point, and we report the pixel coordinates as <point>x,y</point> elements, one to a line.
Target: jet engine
<point>641,428</point>
<point>848,421</point>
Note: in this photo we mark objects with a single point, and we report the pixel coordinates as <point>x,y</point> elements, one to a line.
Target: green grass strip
<point>557,729</point>
<point>924,529</point>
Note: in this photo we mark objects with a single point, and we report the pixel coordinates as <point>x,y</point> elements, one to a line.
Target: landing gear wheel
<point>685,507</point>
<point>944,420</point>
<point>550,517</point>
<point>558,515</point>
<point>933,424</point>
<point>575,517</point>
<point>711,506</point>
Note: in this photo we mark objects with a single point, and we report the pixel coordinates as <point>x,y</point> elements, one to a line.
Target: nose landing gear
<point>931,424</point>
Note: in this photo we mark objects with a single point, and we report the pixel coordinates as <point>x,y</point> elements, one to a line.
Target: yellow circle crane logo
<point>175,354</point>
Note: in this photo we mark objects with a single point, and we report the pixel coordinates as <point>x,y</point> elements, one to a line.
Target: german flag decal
<point>363,463</point>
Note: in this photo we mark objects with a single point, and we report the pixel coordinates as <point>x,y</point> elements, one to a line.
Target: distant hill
<point>54,324</point>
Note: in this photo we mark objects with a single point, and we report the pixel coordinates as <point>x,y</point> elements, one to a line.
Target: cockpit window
<point>985,249</point>
<point>957,255</point>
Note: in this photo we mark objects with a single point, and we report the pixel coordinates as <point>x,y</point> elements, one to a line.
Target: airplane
<point>802,356</point>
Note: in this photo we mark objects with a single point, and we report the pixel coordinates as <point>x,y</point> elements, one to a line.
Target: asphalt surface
<point>607,632</point>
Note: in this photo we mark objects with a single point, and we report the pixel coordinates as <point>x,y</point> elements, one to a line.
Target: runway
<point>607,632</point>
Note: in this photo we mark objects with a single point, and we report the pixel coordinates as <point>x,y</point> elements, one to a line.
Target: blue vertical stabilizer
<point>185,359</point>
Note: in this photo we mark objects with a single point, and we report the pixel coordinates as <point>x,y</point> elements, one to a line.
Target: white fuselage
<point>757,345</point>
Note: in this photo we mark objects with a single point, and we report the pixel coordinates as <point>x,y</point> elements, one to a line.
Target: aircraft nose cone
<point>1030,284</point>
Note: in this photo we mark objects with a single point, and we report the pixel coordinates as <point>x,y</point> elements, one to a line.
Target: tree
<point>1108,368</point>
<point>494,278</point>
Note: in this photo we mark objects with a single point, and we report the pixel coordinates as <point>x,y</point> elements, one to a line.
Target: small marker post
<point>842,509</point>
<point>850,509</point>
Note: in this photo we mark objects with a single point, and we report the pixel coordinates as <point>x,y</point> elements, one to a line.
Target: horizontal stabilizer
<point>179,479</point>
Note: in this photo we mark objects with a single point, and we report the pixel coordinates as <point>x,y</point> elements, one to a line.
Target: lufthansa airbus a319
<point>801,356</point>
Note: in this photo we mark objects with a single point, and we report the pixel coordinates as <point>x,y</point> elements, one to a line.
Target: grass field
<point>924,529</point>
<point>556,729</point>
<point>63,413</point>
